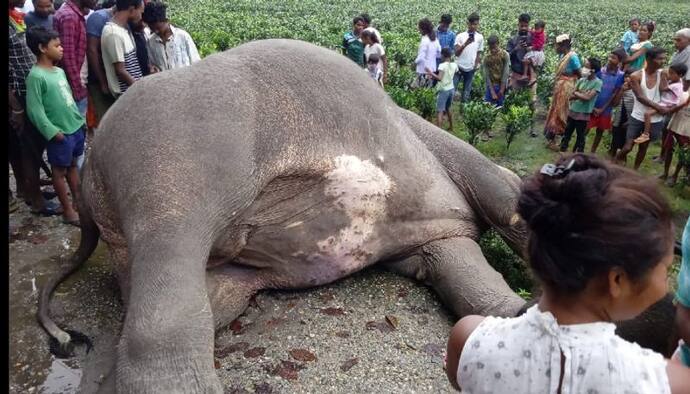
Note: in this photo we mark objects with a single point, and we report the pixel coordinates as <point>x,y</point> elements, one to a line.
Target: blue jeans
<point>82,105</point>
<point>466,77</point>
<point>487,96</point>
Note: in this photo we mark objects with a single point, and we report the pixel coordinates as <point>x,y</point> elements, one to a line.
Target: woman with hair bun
<point>601,241</point>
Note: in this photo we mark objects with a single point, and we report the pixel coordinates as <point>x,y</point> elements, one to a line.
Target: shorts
<point>65,153</point>
<point>444,100</point>
<point>680,139</point>
<point>636,127</point>
<point>602,122</point>
<point>536,57</point>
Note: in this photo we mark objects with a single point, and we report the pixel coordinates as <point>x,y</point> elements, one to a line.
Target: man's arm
<point>123,74</point>
<point>478,61</point>
<point>115,47</point>
<point>93,55</point>
<point>506,74</point>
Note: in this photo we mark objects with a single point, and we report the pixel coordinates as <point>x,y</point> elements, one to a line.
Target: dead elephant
<point>212,182</point>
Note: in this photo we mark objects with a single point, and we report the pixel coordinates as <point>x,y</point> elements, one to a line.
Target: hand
<point>598,111</point>
<point>428,70</point>
<point>502,91</point>
<point>494,96</point>
<point>154,69</point>
<point>59,137</point>
<point>662,110</point>
<point>17,121</point>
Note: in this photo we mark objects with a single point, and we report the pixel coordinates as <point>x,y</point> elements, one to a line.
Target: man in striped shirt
<point>119,51</point>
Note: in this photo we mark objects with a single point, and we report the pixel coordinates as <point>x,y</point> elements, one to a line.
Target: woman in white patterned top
<point>168,46</point>
<point>601,241</point>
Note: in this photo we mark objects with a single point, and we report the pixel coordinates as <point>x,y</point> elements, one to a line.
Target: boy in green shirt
<point>582,103</point>
<point>51,108</point>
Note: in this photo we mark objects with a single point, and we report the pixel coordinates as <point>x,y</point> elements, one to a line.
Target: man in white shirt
<point>468,48</point>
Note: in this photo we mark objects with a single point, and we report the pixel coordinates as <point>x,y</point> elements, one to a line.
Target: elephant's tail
<point>62,341</point>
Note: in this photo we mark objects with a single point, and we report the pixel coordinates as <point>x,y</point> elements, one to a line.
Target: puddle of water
<point>61,379</point>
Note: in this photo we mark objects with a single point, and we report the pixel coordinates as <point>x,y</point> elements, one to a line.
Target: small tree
<point>425,102</point>
<point>478,117</point>
<point>517,119</point>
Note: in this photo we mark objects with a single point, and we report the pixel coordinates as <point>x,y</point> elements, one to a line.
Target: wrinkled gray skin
<point>246,172</point>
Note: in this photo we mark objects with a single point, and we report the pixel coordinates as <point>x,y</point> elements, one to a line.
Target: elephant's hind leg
<point>466,283</point>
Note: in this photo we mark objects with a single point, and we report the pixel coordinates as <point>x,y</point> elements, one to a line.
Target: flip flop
<point>50,209</point>
<point>49,195</point>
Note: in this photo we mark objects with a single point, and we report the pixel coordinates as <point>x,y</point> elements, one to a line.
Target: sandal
<point>13,205</point>
<point>49,209</point>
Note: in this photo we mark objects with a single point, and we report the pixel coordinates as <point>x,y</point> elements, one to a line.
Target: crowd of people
<point>633,95</point>
<point>68,63</point>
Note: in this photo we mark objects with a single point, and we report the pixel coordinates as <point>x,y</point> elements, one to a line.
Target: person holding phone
<point>468,48</point>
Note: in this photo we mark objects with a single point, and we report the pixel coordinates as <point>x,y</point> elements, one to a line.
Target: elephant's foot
<point>458,271</point>
<point>229,290</point>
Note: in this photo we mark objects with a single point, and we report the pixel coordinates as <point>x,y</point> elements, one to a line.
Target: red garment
<point>17,16</point>
<point>538,40</point>
<point>70,23</point>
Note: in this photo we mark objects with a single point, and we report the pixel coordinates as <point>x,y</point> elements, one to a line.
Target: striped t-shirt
<point>117,45</point>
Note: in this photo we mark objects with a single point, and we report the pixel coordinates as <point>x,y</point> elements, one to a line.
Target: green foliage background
<point>595,26</point>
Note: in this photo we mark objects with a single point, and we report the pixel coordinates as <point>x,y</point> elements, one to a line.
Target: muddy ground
<point>372,332</point>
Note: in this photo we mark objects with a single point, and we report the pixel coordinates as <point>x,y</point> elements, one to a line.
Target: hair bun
<point>551,204</point>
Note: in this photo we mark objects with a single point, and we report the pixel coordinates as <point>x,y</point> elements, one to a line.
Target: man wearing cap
<point>682,42</point>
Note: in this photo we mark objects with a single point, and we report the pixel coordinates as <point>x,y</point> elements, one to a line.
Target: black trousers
<point>578,126</point>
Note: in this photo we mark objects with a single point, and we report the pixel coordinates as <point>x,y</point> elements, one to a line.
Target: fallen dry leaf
<point>38,239</point>
<point>402,293</point>
<point>287,370</point>
<point>342,334</point>
<point>235,347</point>
<point>432,349</point>
<point>236,327</point>
<point>255,352</point>
<point>333,311</point>
<point>392,320</point>
<point>382,326</point>
<point>302,355</point>
<point>347,365</point>
<point>216,363</point>
<point>326,296</point>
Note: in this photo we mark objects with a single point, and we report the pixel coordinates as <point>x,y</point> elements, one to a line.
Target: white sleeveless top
<point>653,94</point>
<point>523,355</point>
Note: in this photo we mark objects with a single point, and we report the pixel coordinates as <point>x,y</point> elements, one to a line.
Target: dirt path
<point>331,339</point>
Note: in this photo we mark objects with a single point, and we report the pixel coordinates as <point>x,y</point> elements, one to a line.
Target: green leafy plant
<point>516,98</point>
<point>508,263</point>
<point>684,161</point>
<point>425,102</point>
<point>517,119</point>
<point>478,118</point>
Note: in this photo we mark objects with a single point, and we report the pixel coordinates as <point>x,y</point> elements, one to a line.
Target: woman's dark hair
<point>123,5</point>
<point>594,64</point>
<point>427,28</point>
<point>447,19</point>
<point>154,12</point>
<point>474,17</point>
<point>650,27</point>
<point>524,18</point>
<point>39,35</point>
<point>373,58</point>
<point>590,219</point>
<point>680,68</point>
<point>371,35</point>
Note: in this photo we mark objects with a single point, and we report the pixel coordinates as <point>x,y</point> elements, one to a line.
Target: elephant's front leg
<point>167,338</point>
<point>466,283</point>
